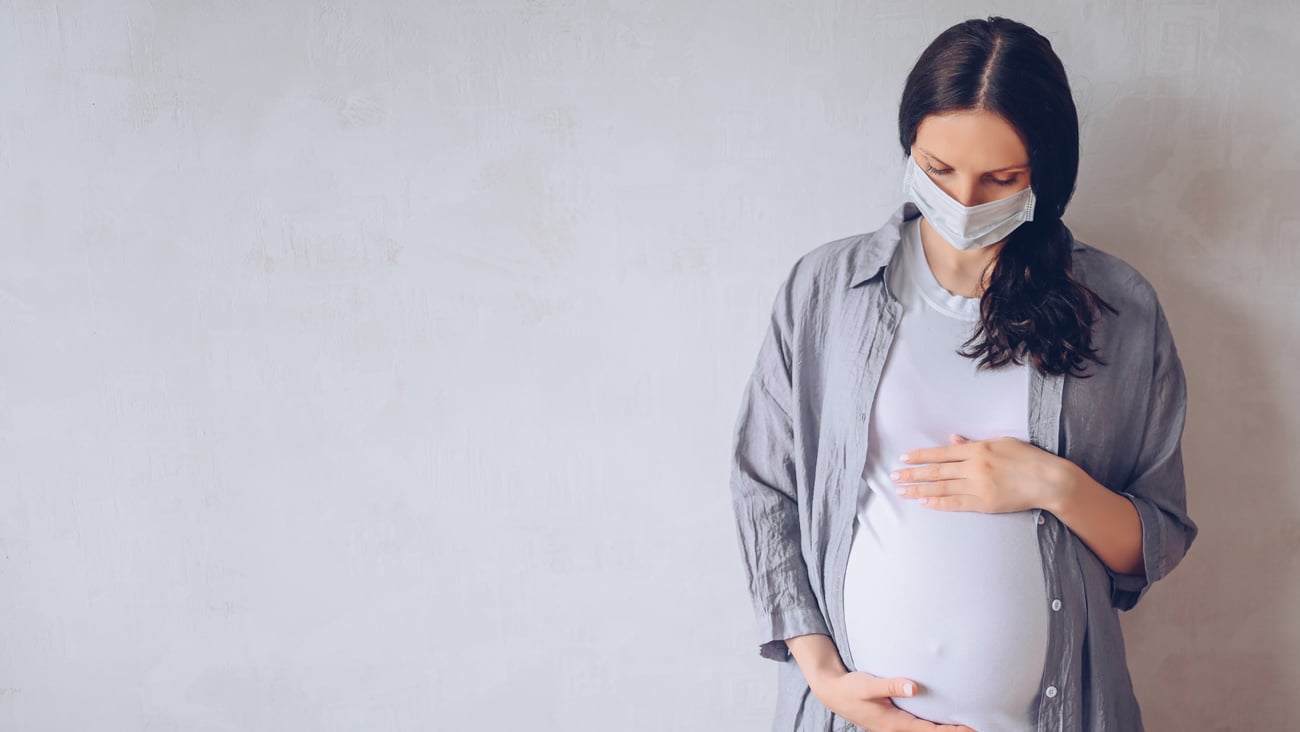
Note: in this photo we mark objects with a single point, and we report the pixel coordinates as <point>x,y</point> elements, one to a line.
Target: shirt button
<point>1040,518</point>
<point>1056,604</point>
<point>1051,692</point>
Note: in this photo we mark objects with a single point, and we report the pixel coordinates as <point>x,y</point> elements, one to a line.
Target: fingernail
<point>894,475</point>
<point>907,688</point>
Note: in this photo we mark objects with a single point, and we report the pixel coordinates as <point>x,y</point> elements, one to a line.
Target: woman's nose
<point>965,192</point>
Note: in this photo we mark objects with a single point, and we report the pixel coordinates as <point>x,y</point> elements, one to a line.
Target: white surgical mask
<point>966,227</point>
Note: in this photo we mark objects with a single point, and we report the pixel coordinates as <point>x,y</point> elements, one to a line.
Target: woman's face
<point>975,156</point>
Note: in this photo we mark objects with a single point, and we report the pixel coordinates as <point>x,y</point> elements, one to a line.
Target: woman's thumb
<point>901,687</point>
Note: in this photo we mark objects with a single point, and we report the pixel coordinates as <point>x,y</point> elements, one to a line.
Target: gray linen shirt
<point>800,444</point>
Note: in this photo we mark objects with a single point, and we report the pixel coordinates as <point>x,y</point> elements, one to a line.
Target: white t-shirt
<point>954,600</point>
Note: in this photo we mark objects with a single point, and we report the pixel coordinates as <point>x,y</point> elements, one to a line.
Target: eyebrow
<point>999,170</point>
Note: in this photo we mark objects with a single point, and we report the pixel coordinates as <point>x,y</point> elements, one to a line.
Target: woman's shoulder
<point>836,266</point>
<point>833,268</point>
<point>1112,277</point>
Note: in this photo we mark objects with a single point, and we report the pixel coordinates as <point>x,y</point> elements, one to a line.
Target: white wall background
<point>371,366</point>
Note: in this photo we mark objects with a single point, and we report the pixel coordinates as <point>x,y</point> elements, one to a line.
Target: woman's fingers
<point>876,692</point>
<point>907,722</point>
<point>921,725</point>
<point>868,686</point>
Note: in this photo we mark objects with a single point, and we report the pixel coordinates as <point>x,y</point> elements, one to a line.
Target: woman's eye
<point>935,171</point>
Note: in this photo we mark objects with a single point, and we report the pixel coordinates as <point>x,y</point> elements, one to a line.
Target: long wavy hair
<point>1033,307</point>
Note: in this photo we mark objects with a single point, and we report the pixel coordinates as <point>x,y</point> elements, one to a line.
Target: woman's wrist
<point>817,657</point>
<point>1060,483</point>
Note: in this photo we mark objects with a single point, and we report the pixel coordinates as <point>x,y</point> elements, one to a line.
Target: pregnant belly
<point>955,601</point>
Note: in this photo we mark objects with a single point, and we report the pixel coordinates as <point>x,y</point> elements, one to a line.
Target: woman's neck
<point>959,271</point>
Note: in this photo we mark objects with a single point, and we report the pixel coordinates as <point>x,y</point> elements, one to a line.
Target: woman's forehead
<point>972,139</point>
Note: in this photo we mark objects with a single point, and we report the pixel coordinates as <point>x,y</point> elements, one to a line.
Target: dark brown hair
<point>1033,306</point>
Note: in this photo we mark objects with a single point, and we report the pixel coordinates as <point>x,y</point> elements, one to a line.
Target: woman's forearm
<point>1107,522</point>
<point>816,655</point>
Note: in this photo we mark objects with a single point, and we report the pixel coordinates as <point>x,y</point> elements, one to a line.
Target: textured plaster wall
<point>371,366</point>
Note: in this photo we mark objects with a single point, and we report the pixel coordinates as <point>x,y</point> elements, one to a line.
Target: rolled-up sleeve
<point>1157,486</point>
<point>764,494</point>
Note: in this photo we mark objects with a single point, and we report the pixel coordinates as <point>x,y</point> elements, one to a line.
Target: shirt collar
<point>874,252</point>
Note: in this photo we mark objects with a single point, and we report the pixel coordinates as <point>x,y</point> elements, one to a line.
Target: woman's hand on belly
<point>1001,475</point>
<point>864,700</point>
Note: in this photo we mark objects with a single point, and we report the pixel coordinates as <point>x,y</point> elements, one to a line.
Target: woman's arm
<point>817,656</point>
<point>1104,520</point>
<point>765,494</point>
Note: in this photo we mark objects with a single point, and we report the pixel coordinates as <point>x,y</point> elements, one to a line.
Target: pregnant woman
<point>959,453</point>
